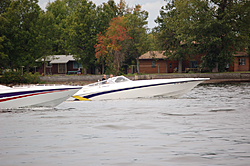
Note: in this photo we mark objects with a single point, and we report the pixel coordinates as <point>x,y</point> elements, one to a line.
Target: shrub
<point>30,78</point>
<point>14,78</point>
<point>10,77</point>
<point>191,72</point>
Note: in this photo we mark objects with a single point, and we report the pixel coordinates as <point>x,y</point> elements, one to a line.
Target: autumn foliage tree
<point>110,45</point>
<point>101,49</point>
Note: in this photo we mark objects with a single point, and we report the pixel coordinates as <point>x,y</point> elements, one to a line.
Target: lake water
<point>208,126</point>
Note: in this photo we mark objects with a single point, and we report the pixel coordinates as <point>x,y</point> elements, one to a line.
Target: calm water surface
<point>208,126</point>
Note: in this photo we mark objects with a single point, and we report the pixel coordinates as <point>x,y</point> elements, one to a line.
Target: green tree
<point>3,56</point>
<point>81,33</point>
<point>4,4</point>
<point>137,30</point>
<point>243,24</point>
<point>9,38</point>
<point>167,35</point>
<point>19,33</point>
<point>152,41</point>
<point>209,27</point>
<point>60,11</point>
<point>105,12</point>
<point>122,8</point>
<point>46,25</point>
<point>72,5</point>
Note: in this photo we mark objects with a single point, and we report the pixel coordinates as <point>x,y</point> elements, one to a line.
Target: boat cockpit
<point>114,80</point>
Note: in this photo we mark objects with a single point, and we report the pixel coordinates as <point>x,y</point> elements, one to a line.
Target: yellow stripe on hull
<point>81,98</point>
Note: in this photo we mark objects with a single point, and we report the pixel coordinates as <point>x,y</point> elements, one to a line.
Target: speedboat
<point>123,88</point>
<point>35,95</point>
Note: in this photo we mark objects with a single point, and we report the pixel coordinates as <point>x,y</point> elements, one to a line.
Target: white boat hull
<point>36,96</point>
<point>140,89</point>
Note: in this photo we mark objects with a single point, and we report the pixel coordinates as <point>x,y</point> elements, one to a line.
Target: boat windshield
<point>114,80</point>
<point>121,79</point>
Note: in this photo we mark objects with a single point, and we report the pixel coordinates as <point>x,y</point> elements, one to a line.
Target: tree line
<point>74,27</point>
<point>112,35</point>
<point>212,28</point>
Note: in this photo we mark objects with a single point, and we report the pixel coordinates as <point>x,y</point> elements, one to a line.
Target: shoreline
<point>87,79</point>
<point>222,81</point>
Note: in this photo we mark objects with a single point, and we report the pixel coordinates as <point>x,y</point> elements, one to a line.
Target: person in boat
<point>104,81</point>
<point>103,77</point>
<point>110,80</point>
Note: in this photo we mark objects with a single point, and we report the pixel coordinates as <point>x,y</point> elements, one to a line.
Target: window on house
<point>77,65</point>
<point>242,61</point>
<point>48,64</point>
<point>153,64</point>
<point>193,64</point>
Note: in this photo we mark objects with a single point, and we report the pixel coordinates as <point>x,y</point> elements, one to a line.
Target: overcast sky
<point>151,6</point>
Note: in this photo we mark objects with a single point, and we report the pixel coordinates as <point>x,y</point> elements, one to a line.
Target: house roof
<point>153,54</point>
<point>240,53</point>
<point>159,55</point>
<point>54,59</point>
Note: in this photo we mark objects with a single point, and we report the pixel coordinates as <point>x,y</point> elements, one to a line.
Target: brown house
<point>241,62</point>
<point>155,62</point>
<point>59,64</point>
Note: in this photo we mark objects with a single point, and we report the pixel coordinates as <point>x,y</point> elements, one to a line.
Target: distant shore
<point>86,79</point>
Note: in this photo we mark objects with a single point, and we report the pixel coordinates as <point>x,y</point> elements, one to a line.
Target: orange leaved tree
<point>110,45</point>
